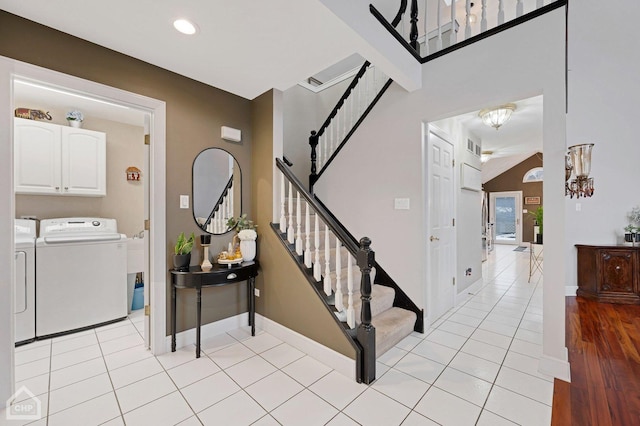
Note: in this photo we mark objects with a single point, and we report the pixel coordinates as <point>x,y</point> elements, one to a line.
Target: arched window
<point>534,175</point>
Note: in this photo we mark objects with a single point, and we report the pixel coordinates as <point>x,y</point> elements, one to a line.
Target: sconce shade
<point>581,159</point>
<point>496,117</point>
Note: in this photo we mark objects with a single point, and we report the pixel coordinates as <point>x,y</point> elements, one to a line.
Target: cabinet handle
<point>66,188</point>
<point>57,188</point>
<point>232,276</point>
<point>618,268</point>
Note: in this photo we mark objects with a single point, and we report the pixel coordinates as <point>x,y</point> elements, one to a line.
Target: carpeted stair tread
<point>392,326</point>
<point>381,300</point>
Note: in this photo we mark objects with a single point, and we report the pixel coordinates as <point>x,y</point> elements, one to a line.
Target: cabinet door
<point>83,162</point>
<point>36,157</point>
<point>617,269</point>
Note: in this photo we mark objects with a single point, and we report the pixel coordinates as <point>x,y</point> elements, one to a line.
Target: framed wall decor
<point>532,200</point>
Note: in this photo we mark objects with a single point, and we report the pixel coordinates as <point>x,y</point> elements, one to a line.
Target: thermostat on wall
<point>230,134</point>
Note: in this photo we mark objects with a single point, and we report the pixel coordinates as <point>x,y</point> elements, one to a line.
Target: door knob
<point>432,238</point>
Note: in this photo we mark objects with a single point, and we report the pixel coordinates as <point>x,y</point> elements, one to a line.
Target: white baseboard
<point>188,337</point>
<point>570,290</point>
<point>323,354</point>
<point>469,291</point>
<point>556,367</point>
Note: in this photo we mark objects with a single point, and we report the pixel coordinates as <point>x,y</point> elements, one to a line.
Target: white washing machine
<point>25,281</point>
<point>81,270</point>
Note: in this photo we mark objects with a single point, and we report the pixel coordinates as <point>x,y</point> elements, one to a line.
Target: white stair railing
<point>322,251</point>
<point>218,222</point>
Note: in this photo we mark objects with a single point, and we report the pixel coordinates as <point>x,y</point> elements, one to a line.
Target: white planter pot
<point>75,123</point>
<point>248,250</point>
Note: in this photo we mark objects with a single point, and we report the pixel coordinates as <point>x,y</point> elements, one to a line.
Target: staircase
<point>373,311</point>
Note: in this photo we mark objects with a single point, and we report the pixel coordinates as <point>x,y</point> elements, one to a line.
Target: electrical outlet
<point>256,291</point>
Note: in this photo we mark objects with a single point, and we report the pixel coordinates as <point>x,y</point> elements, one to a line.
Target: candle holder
<point>205,241</point>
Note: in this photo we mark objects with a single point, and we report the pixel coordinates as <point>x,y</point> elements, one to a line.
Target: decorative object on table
<point>247,234</point>
<point>231,256</point>
<point>182,251</point>
<point>538,216</point>
<point>32,114</point>
<point>248,244</point>
<point>205,241</point>
<point>133,173</point>
<point>75,118</point>
<point>632,230</point>
<point>578,162</point>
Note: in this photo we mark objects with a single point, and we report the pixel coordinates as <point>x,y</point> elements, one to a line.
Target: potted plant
<point>537,216</point>
<point>246,233</point>
<point>182,251</point>
<point>75,118</point>
<point>631,230</point>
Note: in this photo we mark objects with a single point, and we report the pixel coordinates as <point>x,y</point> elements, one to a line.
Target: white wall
<point>603,109</point>
<point>387,151</point>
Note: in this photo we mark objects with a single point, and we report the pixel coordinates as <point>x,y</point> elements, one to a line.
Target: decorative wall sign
<point>532,200</point>
<point>32,114</point>
<point>133,173</point>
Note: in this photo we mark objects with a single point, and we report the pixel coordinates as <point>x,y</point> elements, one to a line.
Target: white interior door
<point>506,215</point>
<point>440,242</point>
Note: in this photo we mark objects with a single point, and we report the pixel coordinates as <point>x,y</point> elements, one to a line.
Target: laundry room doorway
<point>150,175</point>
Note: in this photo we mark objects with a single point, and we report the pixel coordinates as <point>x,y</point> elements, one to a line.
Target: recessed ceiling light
<point>185,26</point>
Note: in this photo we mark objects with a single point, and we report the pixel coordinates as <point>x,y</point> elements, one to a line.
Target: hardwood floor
<point>603,340</point>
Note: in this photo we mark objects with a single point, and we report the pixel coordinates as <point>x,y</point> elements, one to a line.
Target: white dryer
<point>25,279</point>
<point>81,270</point>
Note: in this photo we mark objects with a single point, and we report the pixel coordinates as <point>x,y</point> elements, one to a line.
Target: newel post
<point>313,141</point>
<point>366,333</point>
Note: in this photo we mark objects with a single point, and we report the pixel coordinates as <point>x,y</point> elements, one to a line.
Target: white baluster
<point>500,12</point>
<point>291,237</point>
<point>327,136</point>
<point>338,299</point>
<point>317,268</point>
<point>539,4</point>
<point>351,313</point>
<point>344,122</point>
<point>327,262</point>
<point>453,35</point>
<point>483,21</point>
<point>519,8</point>
<point>467,28</point>
<point>283,218</point>
<point>439,40</point>
<point>229,209</point>
<point>298,225</point>
<point>307,231</point>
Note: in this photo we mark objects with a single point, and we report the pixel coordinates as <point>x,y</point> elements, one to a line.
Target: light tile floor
<point>477,365</point>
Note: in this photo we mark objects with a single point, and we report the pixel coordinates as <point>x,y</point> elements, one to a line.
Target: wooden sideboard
<point>609,273</point>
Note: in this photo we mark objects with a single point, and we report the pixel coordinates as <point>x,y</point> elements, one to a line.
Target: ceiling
<point>244,47</point>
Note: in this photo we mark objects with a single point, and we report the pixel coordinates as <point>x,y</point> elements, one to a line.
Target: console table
<point>219,275</point>
<point>609,273</point>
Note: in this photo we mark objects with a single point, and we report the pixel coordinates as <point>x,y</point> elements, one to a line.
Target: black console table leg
<point>173,318</point>
<point>199,321</point>
<point>252,305</point>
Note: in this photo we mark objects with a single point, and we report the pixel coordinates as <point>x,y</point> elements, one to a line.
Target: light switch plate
<point>401,203</point>
<point>184,201</point>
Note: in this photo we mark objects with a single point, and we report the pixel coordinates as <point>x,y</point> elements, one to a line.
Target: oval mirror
<point>217,190</point>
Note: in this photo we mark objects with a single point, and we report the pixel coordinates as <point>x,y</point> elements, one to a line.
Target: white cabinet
<point>58,160</point>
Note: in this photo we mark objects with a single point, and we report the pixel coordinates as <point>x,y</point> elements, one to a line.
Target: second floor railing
<point>429,28</point>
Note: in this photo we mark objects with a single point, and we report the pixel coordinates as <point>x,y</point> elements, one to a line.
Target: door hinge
<point>147,310</point>
<point>453,163</point>
<point>454,281</point>
<point>453,222</point>
<point>147,225</point>
<point>147,139</point>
